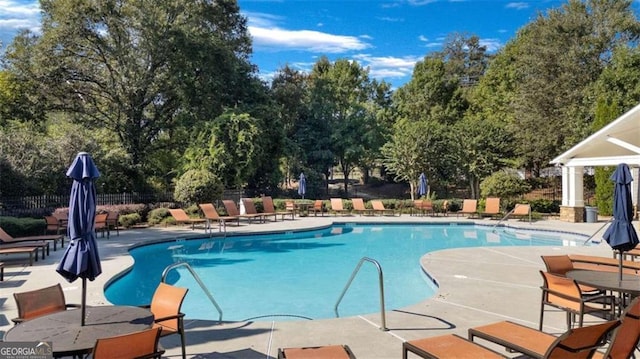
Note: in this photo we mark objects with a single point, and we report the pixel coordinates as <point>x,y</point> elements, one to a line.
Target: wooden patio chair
<point>521,211</point>
<point>322,352</point>
<point>560,265</point>
<point>575,343</point>
<point>269,207</point>
<point>54,225</point>
<point>624,340</point>
<point>5,238</point>
<point>38,302</point>
<point>336,207</point>
<point>211,214</point>
<point>165,306</point>
<point>113,218</point>
<point>143,344</point>
<point>100,224</point>
<point>378,207</point>
<point>359,207</point>
<point>448,346</point>
<point>318,207</point>
<point>491,207</point>
<point>469,208</point>
<point>250,210</point>
<point>564,293</point>
<point>182,217</point>
<point>290,206</point>
<point>232,210</point>
<point>422,206</point>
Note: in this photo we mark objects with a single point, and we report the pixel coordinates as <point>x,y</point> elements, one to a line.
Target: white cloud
<point>423,38</point>
<point>260,19</point>
<point>13,8</point>
<point>388,67</point>
<point>491,44</point>
<point>517,5</point>
<point>306,40</point>
<point>420,2</point>
<point>15,15</point>
<point>391,19</point>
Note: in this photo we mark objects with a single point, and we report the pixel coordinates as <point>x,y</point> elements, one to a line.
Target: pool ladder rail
<point>197,278</point>
<point>381,286</point>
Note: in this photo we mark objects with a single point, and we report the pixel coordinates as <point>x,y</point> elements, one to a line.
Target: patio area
<point>477,286</point>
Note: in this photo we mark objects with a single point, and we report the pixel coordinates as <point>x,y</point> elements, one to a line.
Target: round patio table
<point>630,284</point>
<point>67,335</point>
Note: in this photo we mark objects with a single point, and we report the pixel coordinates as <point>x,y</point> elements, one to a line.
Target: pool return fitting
<point>381,286</point>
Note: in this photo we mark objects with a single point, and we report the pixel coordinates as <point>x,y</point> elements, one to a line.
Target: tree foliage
<point>198,186</point>
<point>505,185</point>
<point>557,57</point>
<point>138,68</point>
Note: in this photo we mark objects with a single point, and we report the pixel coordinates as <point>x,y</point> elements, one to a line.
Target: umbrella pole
<point>620,266</point>
<point>84,300</point>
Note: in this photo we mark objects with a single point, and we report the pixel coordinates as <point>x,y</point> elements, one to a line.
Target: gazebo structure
<point>618,142</point>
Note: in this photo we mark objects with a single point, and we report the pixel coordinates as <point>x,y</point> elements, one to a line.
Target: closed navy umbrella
<point>621,235</point>
<point>422,185</point>
<point>302,185</point>
<point>81,258</point>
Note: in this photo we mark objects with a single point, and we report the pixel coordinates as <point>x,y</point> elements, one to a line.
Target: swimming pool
<point>294,275</point>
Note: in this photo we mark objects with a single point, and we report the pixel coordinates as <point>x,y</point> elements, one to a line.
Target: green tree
<point>402,155</point>
<point>484,148</point>
<point>558,56</point>
<point>505,185</point>
<point>227,147</point>
<point>343,104</point>
<point>198,186</point>
<point>289,91</point>
<point>138,68</point>
<point>431,94</point>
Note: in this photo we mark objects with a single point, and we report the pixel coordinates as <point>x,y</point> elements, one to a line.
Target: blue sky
<point>386,36</point>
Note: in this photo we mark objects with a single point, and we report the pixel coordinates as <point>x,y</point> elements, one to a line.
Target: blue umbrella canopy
<point>302,185</point>
<point>81,258</point>
<point>621,235</point>
<point>422,185</point>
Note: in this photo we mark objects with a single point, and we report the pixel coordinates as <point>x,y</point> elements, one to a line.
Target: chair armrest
<point>560,294</point>
<point>568,297</point>
<point>17,320</point>
<point>177,316</point>
<point>596,298</point>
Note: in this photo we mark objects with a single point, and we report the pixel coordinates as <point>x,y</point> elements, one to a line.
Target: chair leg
<point>181,329</point>
<point>541,312</point>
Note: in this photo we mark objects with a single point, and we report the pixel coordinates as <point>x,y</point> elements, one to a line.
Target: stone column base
<point>572,214</point>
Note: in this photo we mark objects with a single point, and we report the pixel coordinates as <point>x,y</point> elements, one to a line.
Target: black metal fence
<point>38,206</point>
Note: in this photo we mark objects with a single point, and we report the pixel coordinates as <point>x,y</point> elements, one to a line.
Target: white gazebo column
<point>572,209</point>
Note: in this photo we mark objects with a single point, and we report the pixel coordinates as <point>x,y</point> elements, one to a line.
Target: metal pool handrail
<point>381,285</point>
<point>197,278</point>
<point>596,232</point>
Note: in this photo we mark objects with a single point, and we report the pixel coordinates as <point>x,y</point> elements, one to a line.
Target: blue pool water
<point>296,275</point>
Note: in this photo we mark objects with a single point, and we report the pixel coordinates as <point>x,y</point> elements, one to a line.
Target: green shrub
<point>545,206</point>
<point>168,221</point>
<point>130,220</point>
<point>198,186</point>
<point>156,216</point>
<point>604,190</point>
<point>504,185</point>
<point>22,227</point>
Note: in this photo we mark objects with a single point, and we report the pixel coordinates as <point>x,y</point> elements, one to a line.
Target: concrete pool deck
<point>476,286</point>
